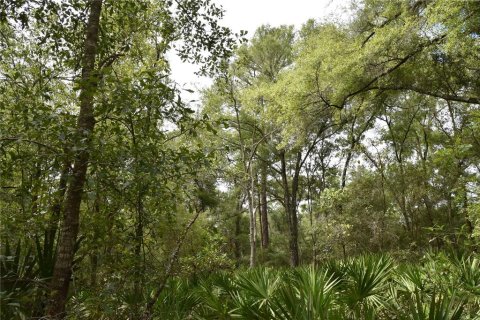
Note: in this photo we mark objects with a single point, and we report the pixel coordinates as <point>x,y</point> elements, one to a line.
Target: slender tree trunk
<point>345,167</point>
<point>94,251</point>
<point>35,180</point>
<point>293,243</point>
<point>259,210</point>
<point>264,207</point>
<point>238,248</point>
<point>291,212</point>
<point>295,258</point>
<point>310,215</point>
<point>85,124</point>
<point>140,265</point>
<point>57,206</point>
<point>403,201</point>
<point>51,232</point>
<point>251,207</point>
<point>247,161</point>
<point>148,313</point>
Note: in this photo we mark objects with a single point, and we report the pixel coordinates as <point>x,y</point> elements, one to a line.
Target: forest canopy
<point>329,172</point>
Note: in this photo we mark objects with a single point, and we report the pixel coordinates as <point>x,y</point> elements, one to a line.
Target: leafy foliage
<point>366,287</point>
<point>350,149</point>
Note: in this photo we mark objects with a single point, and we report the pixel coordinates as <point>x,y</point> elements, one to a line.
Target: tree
<point>85,125</point>
<point>96,57</point>
<point>118,199</point>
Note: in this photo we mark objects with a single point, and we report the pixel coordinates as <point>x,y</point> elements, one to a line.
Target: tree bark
<point>238,248</point>
<point>139,262</point>
<point>85,124</point>
<point>263,206</point>
<point>94,252</point>
<point>247,161</point>
<point>57,206</point>
<point>290,203</point>
<point>252,211</point>
<point>345,167</point>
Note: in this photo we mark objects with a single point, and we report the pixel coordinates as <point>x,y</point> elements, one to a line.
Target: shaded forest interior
<point>328,172</point>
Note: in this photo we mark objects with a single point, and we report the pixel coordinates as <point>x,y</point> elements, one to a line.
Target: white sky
<point>249,15</point>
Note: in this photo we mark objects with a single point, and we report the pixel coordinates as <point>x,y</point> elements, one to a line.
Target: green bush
<point>367,287</point>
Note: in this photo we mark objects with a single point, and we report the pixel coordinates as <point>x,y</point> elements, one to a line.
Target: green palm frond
<point>307,293</point>
<point>434,307</point>
<point>177,301</point>
<point>367,285</point>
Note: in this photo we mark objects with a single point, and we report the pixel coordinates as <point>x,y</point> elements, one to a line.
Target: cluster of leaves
<point>338,139</point>
<point>146,171</point>
<point>366,130</point>
<point>366,287</point>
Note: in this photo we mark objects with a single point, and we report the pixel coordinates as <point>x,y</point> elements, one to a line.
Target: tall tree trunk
<point>290,210</point>
<point>48,251</point>
<point>94,251</point>
<point>252,210</point>
<point>140,264</point>
<point>51,232</point>
<point>35,180</point>
<point>263,206</point>
<point>310,214</point>
<point>403,201</point>
<point>247,161</point>
<point>259,210</point>
<point>295,259</point>
<point>293,241</point>
<point>238,248</point>
<point>345,167</point>
<point>85,124</point>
